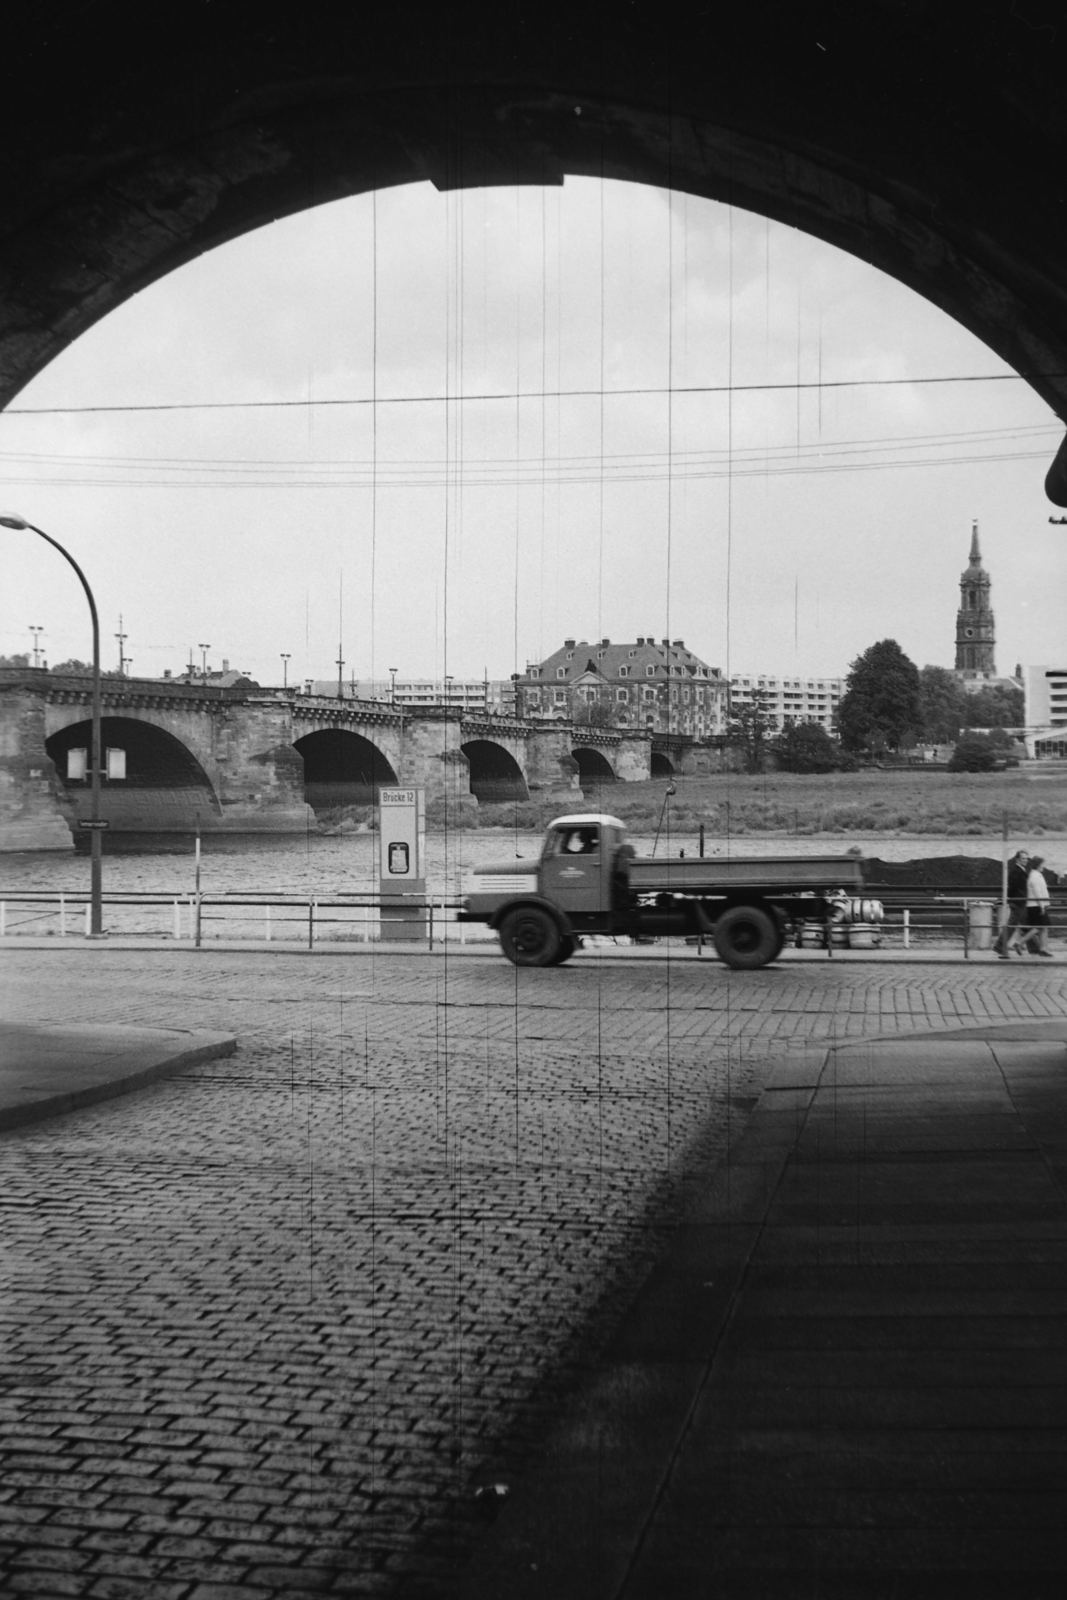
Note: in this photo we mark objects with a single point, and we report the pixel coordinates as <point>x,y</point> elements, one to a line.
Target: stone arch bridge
<point>247,761</point>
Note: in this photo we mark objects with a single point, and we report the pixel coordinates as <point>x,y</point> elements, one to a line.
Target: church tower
<point>975,637</point>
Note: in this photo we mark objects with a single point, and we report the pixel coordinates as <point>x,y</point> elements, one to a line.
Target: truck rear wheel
<point>530,937</point>
<point>567,946</point>
<point>747,936</point>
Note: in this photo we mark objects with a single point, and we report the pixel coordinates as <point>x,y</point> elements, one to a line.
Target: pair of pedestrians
<point>1029,905</point>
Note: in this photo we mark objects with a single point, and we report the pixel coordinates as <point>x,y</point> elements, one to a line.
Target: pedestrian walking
<point>1038,903</point>
<point>1009,935</point>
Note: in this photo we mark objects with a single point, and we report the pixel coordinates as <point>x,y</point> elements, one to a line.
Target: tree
<point>595,714</point>
<point>805,747</point>
<point>943,703</point>
<point>14,661</point>
<point>975,752</point>
<point>995,706</point>
<point>747,731</point>
<point>881,707</point>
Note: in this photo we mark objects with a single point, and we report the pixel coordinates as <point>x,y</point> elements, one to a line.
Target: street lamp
<point>96,919</point>
<point>37,630</point>
<point>285,654</point>
<point>203,648</point>
<point>392,686</point>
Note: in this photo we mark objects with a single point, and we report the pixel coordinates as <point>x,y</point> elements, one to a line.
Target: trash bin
<point>980,924</point>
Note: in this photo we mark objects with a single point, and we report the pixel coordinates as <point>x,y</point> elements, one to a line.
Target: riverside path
<point>270,1324</point>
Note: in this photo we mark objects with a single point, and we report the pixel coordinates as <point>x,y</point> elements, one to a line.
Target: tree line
<point>889,706</point>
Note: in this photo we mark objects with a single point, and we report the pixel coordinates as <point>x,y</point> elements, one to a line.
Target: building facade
<point>494,696</point>
<point>1045,735</point>
<point>789,699</point>
<point>644,684</point>
<point>975,625</point>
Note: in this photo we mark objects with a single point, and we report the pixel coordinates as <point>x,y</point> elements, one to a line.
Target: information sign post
<point>402,847</point>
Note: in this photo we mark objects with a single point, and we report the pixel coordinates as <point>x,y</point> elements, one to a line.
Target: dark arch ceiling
<point>928,138</point>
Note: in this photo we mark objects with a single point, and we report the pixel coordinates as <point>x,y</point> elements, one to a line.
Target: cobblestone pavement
<point>267,1325</point>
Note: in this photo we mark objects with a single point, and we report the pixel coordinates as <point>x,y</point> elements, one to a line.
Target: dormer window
<point>650,672</point>
<point>535,672</point>
<point>624,672</point>
<point>570,655</point>
<point>561,672</point>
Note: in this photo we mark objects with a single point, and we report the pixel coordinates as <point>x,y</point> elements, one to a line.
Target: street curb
<point>201,1046</point>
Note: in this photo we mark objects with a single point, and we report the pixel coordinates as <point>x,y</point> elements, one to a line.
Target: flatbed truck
<point>589,881</point>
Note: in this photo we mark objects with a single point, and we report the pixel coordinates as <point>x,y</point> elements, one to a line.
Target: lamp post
<point>392,686</point>
<point>285,654</point>
<point>96,920</point>
<point>36,629</point>
<point>203,648</point>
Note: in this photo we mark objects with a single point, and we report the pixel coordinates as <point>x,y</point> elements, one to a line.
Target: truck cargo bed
<point>722,875</point>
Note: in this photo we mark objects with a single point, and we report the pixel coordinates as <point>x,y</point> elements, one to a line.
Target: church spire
<point>976,554</point>
<point>975,628</point>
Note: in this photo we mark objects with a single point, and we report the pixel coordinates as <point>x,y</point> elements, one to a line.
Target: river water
<point>321,868</point>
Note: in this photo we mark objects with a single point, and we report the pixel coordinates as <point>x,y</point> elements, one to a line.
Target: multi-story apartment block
<point>1046,712</point>
<point>790,699</point>
<point>642,684</point>
<point>495,696</point>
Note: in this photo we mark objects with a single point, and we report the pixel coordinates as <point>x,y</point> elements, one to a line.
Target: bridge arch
<point>342,768</point>
<point>593,766</point>
<point>782,114</point>
<point>495,775</point>
<point>660,765</point>
<point>165,788</point>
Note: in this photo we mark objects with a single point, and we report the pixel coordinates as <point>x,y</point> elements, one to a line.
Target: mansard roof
<point>669,658</point>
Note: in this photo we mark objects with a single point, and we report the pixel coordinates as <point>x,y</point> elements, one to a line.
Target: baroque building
<point>660,686</point>
<point>975,628</point>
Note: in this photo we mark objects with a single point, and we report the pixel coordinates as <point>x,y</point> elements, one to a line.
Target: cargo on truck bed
<point>588,880</point>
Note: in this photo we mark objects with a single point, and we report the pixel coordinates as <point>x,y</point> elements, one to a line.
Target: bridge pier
<point>34,811</point>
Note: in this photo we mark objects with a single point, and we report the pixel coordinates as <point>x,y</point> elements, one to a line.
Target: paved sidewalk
<point>46,1071</point>
<point>848,1377</point>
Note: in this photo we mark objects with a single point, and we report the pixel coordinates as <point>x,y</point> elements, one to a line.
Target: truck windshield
<point>576,841</point>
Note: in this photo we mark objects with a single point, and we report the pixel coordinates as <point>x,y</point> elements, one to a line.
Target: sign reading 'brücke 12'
<point>402,836</point>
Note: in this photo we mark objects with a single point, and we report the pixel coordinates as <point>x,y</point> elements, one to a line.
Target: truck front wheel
<point>747,936</point>
<point>529,937</point>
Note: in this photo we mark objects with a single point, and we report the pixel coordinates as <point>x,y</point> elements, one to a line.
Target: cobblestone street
<point>267,1325</point>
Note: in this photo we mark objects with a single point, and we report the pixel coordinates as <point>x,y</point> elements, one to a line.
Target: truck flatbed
<point>716,875</point>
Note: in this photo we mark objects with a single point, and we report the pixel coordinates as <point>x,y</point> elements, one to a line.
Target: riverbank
<point>893,801</point>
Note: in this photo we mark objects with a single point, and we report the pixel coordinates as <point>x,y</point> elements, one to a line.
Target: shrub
<point>974,753</point>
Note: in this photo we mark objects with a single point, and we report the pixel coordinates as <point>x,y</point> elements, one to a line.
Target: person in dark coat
<point>1008,938</point>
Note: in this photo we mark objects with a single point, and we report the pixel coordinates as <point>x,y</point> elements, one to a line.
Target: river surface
<point>321,868</point>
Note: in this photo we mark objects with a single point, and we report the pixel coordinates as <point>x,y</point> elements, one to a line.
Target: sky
<point>514,415</point>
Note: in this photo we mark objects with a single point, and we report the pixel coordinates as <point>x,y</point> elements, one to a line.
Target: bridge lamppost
<point>203,648</point>
<point>392,686</point>
<point>285,654</point>
<point>96,919</point>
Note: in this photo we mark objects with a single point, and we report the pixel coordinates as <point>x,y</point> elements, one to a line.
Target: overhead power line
<point>527,394</point>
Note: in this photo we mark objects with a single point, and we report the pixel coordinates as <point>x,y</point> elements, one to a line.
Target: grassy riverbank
<point>865,802</point>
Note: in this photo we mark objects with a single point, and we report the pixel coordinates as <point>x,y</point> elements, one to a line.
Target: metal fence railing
<point>306,919</point>
<point>912,919</point>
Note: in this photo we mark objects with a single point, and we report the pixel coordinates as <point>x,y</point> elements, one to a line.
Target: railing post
<point>177,920</point>
<point>3,918</point>
<point>907,929</point>
<point>311,923</point>
<point>431,922</point>
<point>267,933</point>
<point>88,918</point>
<point>966,930</point>
<point>62,916</point>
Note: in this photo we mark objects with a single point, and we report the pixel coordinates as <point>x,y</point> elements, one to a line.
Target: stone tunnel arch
<point>782,112</point>
<point>165,789</point>
<point>342,768</point>
<point>495,775</point>
<point>661,766</point>
<point>593,767</point>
